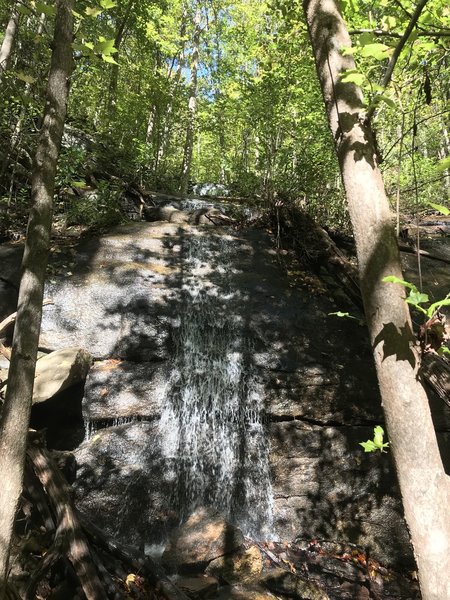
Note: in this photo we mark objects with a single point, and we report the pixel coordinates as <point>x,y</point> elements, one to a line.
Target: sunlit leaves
<point>377,443</point>
<point>439,207</point>
<point>377,51</point>
<point>107,4</point>
<point>24,77</point>
<point>353,76</point>
<point>92,11</point>
<point>444,164</point>
<point>46,9</point>
<point>417,298</point>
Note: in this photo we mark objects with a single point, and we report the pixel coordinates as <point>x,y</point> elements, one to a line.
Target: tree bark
<point>17,406</point>
<point>8,40</point>
<point>423,483</point>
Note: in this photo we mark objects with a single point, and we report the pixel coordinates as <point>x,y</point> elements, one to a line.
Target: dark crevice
<point>330,423</point>
<point>96,425</point>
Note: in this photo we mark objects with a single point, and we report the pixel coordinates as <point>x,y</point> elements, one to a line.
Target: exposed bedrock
<point>201,323</point>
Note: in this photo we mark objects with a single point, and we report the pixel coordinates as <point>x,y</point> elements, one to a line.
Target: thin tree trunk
<point>424,486</point>
<point>192,110</point>
<point>8,40</point>
<point>17,406</point>
<point>112,94</point>
<point>15,138</point>
<point>164,138</point>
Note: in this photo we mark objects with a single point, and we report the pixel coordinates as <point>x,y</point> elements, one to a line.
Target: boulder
<point>58,371</point>
<point>282,581</point>
<point>242,566</point>
<point>206,535</point>
<point>125,485</point>
<point>201,587</point>
<point>243,592</point>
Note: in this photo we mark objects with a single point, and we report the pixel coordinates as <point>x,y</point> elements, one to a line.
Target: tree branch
<point>393,34</point>
<point>398,50</point>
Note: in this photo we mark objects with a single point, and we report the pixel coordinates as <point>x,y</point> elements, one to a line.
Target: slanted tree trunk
<point>8,40</point>
<point>17,406</point>
<point>424,486</point>
<point>192,109</point>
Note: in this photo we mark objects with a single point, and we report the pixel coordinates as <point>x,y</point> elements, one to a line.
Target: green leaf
<point>413,36</point>
<point>109,59</point>
<point>349,51</point>
<point>105,46</point>
<point>378,434</point>
<point>107,4</point>
<point>23,10</point>
<point>366,38</point>
<point>368,446</point>
<point>45,8</point>
<point>342,314</point>
<point>352,76</point>
<point>442,209</point>
<point>377,443</point>
<point>444,351</point>
<point>394,279</point>
<point>436,305</point>
<point>389,23</point>
<point>25,77</point>
<point>78,184</point>
<point>415,297</point>
<point>377,51</point>
<point>92,12</point>
<point>387,100</point>
<point>443,164</point>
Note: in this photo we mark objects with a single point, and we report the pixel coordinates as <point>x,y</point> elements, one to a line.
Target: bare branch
<point>393,34</point>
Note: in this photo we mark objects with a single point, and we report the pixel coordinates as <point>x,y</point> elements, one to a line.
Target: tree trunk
<point>17,406</point>
<point>424,486</point>
<point>192,110</point>
<point>8,40</point>
<point>121,27</point>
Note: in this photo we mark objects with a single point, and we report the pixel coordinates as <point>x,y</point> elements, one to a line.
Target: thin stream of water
<point>212,424</point>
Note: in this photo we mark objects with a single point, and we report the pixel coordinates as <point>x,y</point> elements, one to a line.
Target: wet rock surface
<point>124,302</point>
<point>204,537</point>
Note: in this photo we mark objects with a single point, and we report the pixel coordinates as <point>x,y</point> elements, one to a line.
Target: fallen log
<point>133,558</point>
<point>69,538</point>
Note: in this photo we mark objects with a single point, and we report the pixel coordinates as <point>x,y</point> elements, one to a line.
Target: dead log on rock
<point>69,538</point>
<point>135,560</point>
<point>102,567</point>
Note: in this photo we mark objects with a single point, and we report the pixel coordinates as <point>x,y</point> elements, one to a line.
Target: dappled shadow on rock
<point>141,299</point>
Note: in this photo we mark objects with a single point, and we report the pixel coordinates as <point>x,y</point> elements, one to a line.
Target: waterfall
<point>212,425</point>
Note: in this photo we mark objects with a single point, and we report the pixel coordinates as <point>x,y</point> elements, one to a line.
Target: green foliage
<point>260,128</point>
<point>377,443</point>
<point>100,208</point>
<point>417,298</point>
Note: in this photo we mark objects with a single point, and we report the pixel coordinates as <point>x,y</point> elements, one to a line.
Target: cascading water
<point>212,423</point>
